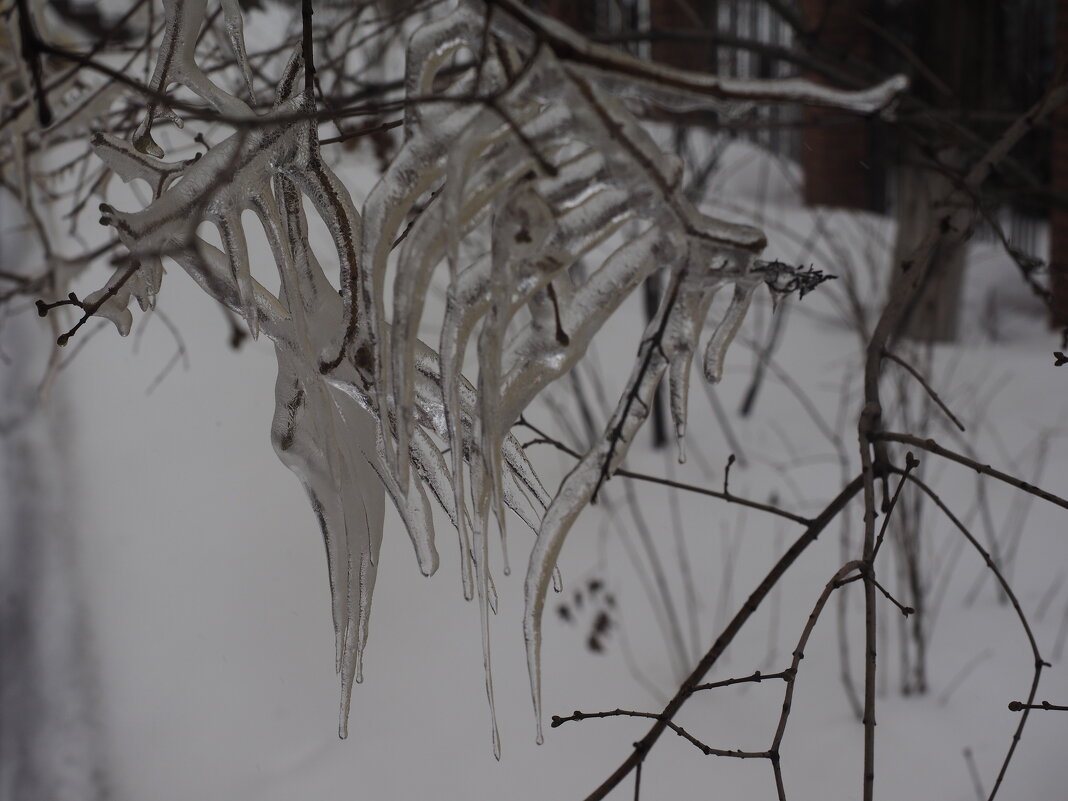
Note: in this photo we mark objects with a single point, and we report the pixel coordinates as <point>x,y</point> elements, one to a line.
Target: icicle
<point>487,600</point>
<point>411,174</point>
<point>235,37</point>
<point>334,204</point>
<point>462,307</point>
<point>542,362</point>
<point>429,49</point>
<point>233,237</point>
<point>580,485</point>
<point>420,254</point>
<point>519,231</point>
<point>716,350</point>
<point>703,278</point>
<point>176,63</point>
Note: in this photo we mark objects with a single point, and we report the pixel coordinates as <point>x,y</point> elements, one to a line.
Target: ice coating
<point>501,195</point>
<point>716,350</point>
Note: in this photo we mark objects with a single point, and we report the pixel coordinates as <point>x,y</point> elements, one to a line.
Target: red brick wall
<point>835,151</point>
<point>672,15</point>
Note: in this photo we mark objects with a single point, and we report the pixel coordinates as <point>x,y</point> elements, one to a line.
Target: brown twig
<point>558,720</point>
<point>835,582</point>
<point>31,46</point>
<point>307,50</point>
<point>973,772</point>
<point>1019,706</point>
<point>931,446</point>
<point>642,747</point>
<point>88,309</point>
<point>754,678</point>
<point>911,463</point>
<point>926,386</point>
<point>1039,662</point>
<point>546,439</point>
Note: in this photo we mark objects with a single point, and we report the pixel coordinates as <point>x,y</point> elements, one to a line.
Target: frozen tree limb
<point>527,147</point>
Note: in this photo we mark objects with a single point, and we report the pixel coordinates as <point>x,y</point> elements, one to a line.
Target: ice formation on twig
<point>529,148</point>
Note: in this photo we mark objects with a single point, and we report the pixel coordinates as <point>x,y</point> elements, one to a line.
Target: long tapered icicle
<point>723,336</point>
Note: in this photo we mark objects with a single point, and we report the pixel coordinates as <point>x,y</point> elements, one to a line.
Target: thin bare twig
<point>642,747</point>
<point>558,720</point>
<point>931,446</point>
<point>1039,662</point>
<point>754,678</point>
<point>926,386</point>
<point>1019,706</point>
<point>546,439</point>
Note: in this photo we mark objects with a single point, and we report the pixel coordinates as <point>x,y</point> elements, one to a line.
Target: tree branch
<point>642,747</point>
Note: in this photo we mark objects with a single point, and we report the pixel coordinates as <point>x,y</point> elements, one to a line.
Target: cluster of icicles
<point>531,150</point>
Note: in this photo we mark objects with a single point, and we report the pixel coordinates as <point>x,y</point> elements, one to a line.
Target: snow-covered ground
<point>209,614</point>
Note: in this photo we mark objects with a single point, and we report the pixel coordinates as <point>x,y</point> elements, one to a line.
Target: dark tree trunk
<point>580,15</point>
<point>672,15</point>
<point>1058,234</point>
<point>955,41</point>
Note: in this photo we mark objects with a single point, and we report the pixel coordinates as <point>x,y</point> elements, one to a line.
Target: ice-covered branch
<point>513,167</point>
